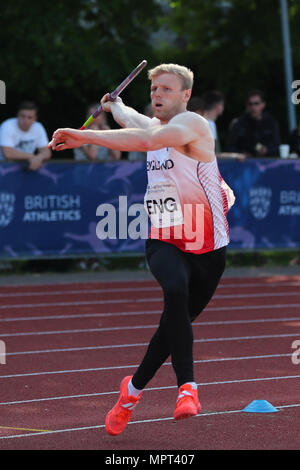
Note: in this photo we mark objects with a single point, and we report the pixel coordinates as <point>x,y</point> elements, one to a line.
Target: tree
<point>68,53</point>
<point>233,45</point>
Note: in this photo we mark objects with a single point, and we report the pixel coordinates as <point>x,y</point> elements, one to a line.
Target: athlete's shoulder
<point>192,120</point>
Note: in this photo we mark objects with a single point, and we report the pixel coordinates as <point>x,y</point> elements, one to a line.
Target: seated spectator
<point>210,105</point>
<point>294,140</point>
<point>94,152</point>
<point>195,105</point>
<point>256,132</point>
<point>24,139</point>
<point>135,156</point>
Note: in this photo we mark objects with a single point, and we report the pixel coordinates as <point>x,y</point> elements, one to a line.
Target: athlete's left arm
<point>183,129</point>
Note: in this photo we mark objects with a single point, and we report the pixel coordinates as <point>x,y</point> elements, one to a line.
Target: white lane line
<point>150,312</point>
<point>82,330</point>
<point>83,302</point>
<point>131,313</point>
<point>201,361</point>
<point>80,291</point>
<point>87,330</point>
<point>153,420</point>
<point>212,323</point>
<point>135,345</point>
<point>84,315</point>
<point>99,426</point>
<point>135,288</point>
<point>143,313</point>
<point>145,300</point>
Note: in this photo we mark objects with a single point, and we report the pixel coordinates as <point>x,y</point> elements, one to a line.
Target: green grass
<point>138,263</point>
<point>261,258</point>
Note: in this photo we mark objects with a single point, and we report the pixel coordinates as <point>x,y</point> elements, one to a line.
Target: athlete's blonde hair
<point>185,74</point>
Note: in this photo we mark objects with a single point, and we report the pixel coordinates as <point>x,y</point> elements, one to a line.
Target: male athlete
<point>187,201</point>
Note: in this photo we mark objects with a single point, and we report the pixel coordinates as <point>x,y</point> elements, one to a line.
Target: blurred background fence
<point>66,54</point>
<point>55,212</point>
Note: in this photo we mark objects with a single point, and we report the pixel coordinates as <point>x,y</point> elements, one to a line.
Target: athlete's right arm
<point>124,115</point>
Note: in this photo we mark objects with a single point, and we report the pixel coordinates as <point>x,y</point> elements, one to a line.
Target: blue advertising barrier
<point>266,214</point>
<point>60,210</point>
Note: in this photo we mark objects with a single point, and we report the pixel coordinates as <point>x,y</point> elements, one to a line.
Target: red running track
<point>68,346</point>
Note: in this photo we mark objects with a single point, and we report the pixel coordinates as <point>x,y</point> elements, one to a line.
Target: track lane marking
<point>266,356</point>
<point>25,429</point>
<point>134,345</point>
<point>92,330</point>
<point>142,313</point>
<point>153,420</point>
<point>158,419</point>
<point>145,300</point>
<point>150,312</point>
<point>154,287</point>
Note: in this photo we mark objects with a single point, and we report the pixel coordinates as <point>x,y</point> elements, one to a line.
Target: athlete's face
<point>167,96</point>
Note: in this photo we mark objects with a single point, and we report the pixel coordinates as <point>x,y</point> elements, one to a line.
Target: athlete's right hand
<point>106,102</point>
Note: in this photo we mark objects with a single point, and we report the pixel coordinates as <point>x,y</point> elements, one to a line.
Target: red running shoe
<point>118,417</point>
<point>187,402</point>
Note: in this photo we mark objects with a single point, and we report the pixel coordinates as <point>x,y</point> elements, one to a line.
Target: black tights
<point>188,282</point>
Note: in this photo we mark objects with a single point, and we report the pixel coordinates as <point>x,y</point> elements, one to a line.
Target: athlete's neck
<point>168,119</point>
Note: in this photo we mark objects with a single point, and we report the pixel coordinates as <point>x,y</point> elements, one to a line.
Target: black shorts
<point>198,275</point>
<point>188,282</point>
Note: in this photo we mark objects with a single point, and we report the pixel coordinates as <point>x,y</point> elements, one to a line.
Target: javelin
<point>115,93</point>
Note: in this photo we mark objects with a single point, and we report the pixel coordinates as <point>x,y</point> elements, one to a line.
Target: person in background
<point>94,152</point>
<point>211,105</point>
<point>294,140</point>
<point>24,139</point>
<point>256,132</point>
<point>89,152</point>
<point>134,156</point>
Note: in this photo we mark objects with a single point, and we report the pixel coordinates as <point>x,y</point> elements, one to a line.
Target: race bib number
<point>163,204</point>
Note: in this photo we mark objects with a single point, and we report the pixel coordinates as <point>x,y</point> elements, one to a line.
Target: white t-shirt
<point>12,136</point>
<point>213,128</point>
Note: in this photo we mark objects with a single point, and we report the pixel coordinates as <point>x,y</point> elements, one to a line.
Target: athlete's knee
<point>176,289</point>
